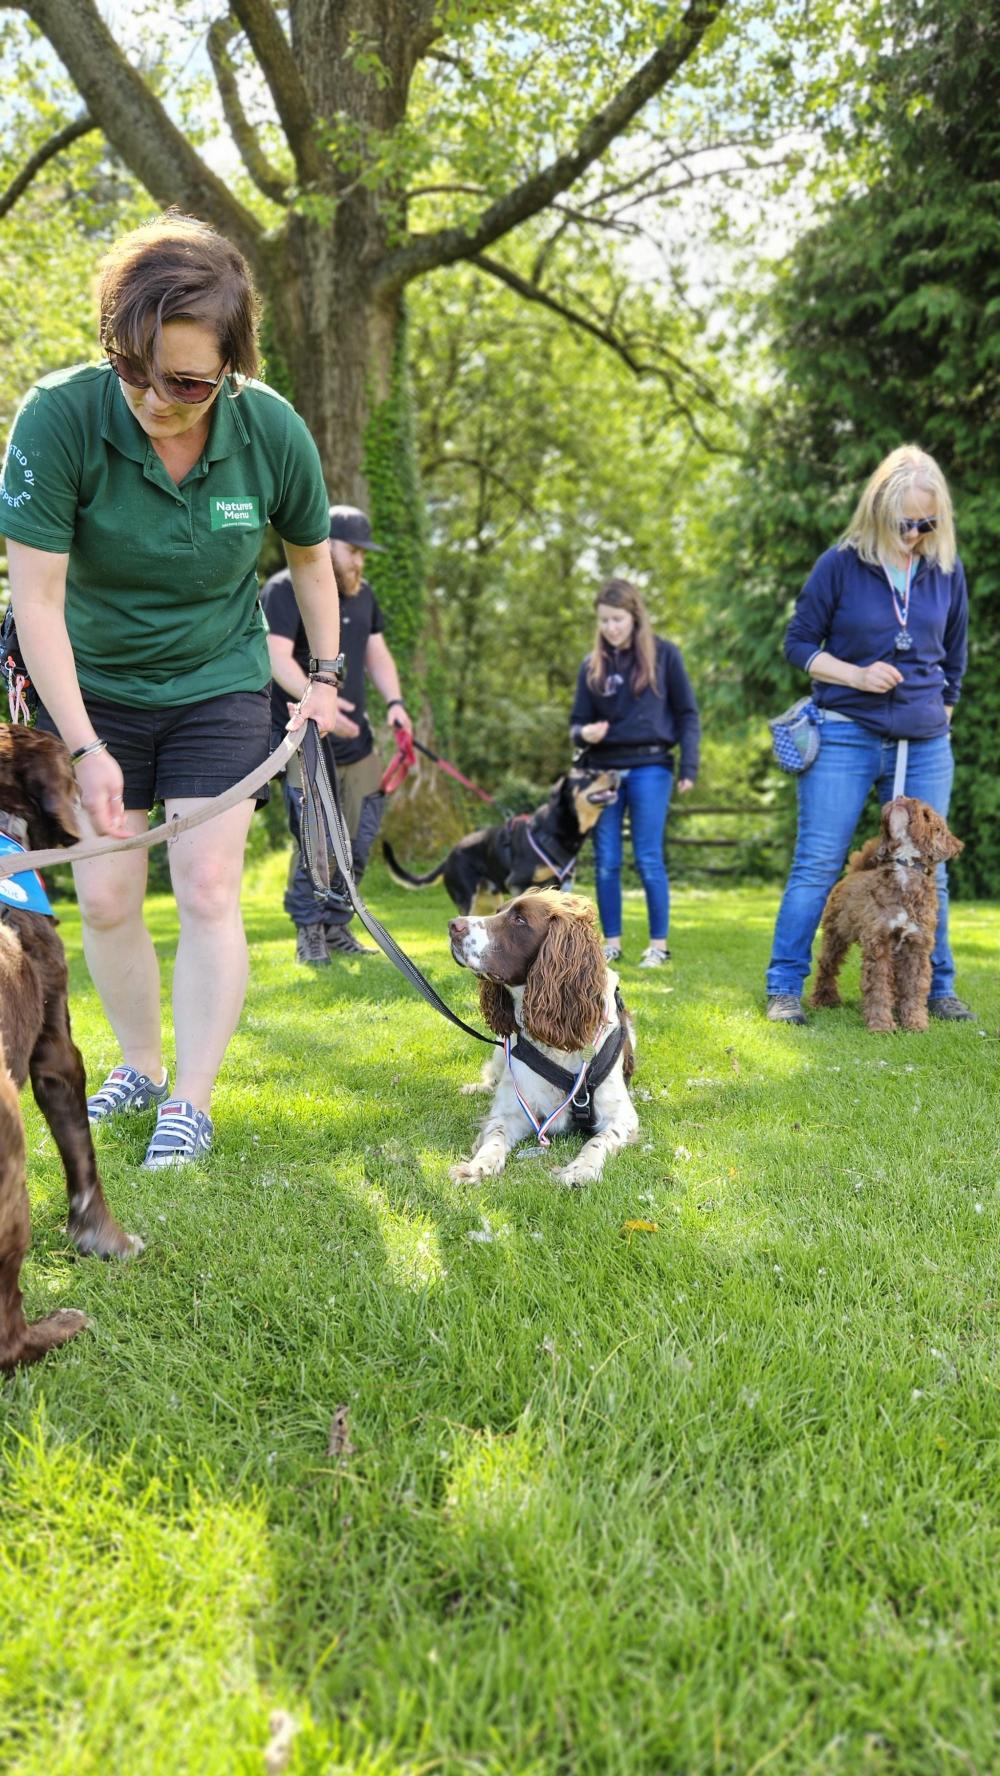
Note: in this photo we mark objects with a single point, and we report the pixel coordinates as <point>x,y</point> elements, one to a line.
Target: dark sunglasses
<point>189,389</point>
<point>922,526</point>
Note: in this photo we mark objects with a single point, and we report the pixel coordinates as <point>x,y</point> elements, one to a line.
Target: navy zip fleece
<point>845,609</point>
<point>641,729</point>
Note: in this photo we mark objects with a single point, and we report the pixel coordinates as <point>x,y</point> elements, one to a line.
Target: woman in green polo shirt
<point>134,497</point>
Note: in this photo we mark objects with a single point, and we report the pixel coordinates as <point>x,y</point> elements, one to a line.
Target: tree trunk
<point>337,341</point>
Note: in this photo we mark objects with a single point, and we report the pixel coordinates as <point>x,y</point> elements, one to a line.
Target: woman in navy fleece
<point>881,627</point>
<point>633,704</point>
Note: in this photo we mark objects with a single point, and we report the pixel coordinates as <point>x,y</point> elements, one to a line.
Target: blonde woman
<point>881,628</point>
<point>633,705</point>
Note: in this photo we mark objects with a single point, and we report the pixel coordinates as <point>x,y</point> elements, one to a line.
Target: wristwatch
<point>328,668</point>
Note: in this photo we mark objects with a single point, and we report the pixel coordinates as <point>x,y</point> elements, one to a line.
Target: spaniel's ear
<point>48,786</point>
<point>563,1000</point>
<point>497,1007</point>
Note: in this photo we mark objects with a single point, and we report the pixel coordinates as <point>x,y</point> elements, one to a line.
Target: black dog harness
<point>580,1088</point>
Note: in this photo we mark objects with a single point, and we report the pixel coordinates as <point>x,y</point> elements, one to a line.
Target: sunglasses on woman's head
<point>922,526</point>
<point>189,389</point>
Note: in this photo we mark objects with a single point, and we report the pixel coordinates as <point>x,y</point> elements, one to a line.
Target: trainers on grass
<point>612,951</point>
<point>653,957</point>
<point>181,1136</point>
<point>124,1093</point>
<point>945,1005</point>
<point>784,1008</point>
<point>341,942</point>
<point>311,946</point>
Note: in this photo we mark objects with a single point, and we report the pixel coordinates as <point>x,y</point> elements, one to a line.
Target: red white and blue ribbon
<point>541,1128</point>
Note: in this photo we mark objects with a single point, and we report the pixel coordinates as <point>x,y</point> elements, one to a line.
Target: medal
<point>904,640</point>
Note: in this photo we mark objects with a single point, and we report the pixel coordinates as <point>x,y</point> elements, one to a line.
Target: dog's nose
<point>458,927</point>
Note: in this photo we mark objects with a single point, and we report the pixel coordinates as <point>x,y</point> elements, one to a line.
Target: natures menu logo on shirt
<point>234,514</point>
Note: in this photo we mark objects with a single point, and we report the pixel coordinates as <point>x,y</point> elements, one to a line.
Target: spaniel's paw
<point>577,1173</point>
<point>480,1085</point>
<point>472,1171</point>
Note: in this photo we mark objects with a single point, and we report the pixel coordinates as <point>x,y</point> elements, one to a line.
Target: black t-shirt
<point>360,619</point>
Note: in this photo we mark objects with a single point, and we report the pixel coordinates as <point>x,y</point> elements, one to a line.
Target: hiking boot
<point>341,942</point>
<point>124,1093</point>
<point>653,957</point>
<point>182,1135</point>
<point>612,952</point>
<point>311,946</point>
<point>955,1011</point>
<point>785,1008</point>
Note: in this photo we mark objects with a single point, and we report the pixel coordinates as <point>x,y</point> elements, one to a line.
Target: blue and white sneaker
<point>182,1136</point>
<point>124,1093</point>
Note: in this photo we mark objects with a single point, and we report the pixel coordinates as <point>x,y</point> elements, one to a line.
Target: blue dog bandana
<point>24,891</point>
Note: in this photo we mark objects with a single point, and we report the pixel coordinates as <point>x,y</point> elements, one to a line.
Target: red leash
<point>405,757</point>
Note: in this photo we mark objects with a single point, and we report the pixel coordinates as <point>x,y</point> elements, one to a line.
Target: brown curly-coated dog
<point>888,903</point>
<point>38,797</point>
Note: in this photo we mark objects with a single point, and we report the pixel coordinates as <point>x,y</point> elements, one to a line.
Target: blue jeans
<point>832,794</point>
<point>645,792</point>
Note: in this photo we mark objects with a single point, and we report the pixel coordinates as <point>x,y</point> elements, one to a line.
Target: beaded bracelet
<point>324,678</point>
<point>83,752</point>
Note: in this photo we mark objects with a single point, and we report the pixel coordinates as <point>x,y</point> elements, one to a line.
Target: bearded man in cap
<point>350,749</point>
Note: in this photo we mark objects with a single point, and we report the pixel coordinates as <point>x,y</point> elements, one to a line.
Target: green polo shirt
<point>161,590</point>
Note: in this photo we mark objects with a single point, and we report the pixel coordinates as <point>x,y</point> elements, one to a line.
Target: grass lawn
<point>717,1497</point>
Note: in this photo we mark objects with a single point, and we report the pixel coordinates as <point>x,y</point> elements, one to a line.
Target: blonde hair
<point>622,595</point>
<point>874,528</point>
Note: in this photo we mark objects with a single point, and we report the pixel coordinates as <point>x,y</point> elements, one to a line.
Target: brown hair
<point>177,269</point>
<point>622,595</point>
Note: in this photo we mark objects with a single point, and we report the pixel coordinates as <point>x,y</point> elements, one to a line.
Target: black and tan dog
<point>531,850</point>
<point>37,797</point>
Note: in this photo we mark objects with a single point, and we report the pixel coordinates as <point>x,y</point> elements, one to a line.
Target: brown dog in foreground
<point>888,903</point>
<point>37,800</point>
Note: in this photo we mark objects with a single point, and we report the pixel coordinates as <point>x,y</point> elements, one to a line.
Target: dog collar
<point>26,891</point>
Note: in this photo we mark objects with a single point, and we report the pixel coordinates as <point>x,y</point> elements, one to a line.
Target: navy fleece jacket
<point>642,730</point>
<point>845,608</point>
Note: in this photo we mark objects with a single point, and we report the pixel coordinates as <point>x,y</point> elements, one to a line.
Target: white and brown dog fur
<point>542,972</point>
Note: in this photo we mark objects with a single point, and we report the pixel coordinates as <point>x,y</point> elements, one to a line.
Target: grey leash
<point>899,781</point>
<point>324,830</point>
<point>168,830</point>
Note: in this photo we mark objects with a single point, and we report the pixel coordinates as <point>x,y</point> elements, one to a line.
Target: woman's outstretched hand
<point>593,732</point>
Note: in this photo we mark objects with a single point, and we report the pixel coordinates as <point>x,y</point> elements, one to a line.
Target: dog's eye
<point>518,919</point>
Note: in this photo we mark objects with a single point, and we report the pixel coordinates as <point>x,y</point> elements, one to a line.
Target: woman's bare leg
<point>210,973</point>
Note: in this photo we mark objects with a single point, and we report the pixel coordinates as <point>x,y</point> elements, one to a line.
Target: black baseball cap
<point>348,524</point>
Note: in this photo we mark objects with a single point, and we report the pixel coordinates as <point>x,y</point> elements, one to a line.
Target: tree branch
<point>265,176</point>
<point>55,145</point>
<point>424,252</point>
<point>280,70</point>
<point>135,122</point>
<point>620,347</point>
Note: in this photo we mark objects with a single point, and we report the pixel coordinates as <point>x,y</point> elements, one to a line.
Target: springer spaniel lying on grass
<point>888,903</point>
<point>547,990</point>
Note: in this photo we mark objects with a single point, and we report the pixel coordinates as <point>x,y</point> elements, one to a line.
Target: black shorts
<point>196,749</point>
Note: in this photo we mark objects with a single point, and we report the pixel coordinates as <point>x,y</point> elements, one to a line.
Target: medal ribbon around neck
<point>902,615</point>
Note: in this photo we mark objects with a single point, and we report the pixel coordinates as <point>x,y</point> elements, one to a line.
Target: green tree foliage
<point>888,330</point>
<point>548,467</point>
